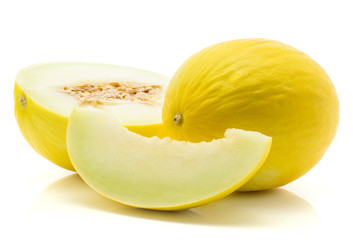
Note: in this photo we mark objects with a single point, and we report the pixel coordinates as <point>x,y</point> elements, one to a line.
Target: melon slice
<point>156,173</point>
<point>45,95</point>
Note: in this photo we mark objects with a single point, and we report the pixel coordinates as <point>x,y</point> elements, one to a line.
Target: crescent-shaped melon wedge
<point>159,173</point>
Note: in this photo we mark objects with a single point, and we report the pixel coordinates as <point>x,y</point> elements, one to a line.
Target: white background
<point>42,201</point>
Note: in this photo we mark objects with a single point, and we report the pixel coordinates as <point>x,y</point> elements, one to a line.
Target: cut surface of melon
<point>45,83</point>
<point>159,173</point>
<point>45,95</point>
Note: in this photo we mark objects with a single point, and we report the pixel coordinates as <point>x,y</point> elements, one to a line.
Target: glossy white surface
<point>41,201</point>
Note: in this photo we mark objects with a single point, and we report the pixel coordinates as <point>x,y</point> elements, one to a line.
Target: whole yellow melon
<point>257,85</point>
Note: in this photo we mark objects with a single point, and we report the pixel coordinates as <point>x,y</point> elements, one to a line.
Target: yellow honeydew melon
<point>42,106</point>
<point>256,85</point>
<point>156,173</point>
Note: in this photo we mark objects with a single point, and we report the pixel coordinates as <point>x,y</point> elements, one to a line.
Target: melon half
<point>157,173</point>
<point>45,95</point>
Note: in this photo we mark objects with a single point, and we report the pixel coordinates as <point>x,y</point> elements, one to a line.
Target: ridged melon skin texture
<point>156,173</point>
<point>45,130</point>
<point>258,85</point>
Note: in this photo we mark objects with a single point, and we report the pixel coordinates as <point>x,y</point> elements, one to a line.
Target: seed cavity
<point>178,119</point>
<point>115,93</point>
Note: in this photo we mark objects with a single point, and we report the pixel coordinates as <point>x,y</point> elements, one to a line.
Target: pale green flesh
<point>43,82</point>
<point>159,173</point>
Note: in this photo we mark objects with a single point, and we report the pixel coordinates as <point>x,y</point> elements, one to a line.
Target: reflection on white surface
<point>272,208</point>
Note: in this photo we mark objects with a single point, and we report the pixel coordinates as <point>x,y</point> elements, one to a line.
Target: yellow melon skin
<point>257,85</point>
<point>43,129</point>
